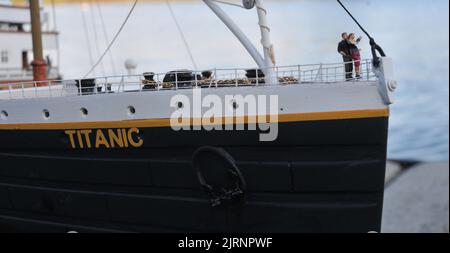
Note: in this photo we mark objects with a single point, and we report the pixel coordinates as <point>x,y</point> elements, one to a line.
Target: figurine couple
<point>350,52</point>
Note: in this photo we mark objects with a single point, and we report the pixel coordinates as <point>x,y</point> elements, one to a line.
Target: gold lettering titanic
<point>104,138</point>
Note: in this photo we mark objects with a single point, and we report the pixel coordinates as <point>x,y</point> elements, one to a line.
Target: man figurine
<point>344,50</point>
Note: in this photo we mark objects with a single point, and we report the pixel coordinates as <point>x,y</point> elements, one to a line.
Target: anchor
<point>219,177</point>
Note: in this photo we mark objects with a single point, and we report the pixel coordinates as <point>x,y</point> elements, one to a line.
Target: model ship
<point>114,154</point>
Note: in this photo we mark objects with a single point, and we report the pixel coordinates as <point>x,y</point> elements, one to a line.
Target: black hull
<point>319,176</point>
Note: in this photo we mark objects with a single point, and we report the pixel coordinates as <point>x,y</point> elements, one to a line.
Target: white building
<point>16,49</point>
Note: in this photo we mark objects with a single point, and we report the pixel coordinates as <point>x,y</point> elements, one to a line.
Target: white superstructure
<point>16,49</point>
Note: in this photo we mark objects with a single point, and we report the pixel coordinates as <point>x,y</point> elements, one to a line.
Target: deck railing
<point>215,78</point>
<point>12,74</point>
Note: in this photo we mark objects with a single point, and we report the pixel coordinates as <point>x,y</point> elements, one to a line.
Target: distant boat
<point>16,46</point>
<point>105,155</point>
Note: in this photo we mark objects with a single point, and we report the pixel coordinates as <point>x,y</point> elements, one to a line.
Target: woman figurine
<point>356,54</point>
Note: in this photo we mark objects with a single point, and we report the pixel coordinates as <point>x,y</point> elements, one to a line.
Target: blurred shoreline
<point>416,198</point>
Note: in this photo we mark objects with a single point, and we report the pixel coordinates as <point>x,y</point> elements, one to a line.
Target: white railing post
<point>122,84</point>
<point>50,89</point>
<point>95,87</point>
<point>277,74</point>
<point>257,77</point>
<point>158,80</point>
<point>368,70</point>
<point>216,78</point>
<point>176,80</point>
<point>236,77</point>
<point>196,79</point>
<point>106,85</point>
<point>335,73</point>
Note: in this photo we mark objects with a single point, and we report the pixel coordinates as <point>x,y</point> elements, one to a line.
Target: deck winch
<point>181,78</point>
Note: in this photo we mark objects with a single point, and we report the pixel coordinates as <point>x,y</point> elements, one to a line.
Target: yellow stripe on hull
<point>148,123</point>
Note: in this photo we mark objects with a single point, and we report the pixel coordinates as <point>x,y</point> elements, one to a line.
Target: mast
<point>266,63</point>
<point>269,55</point>
<point>38,63</point>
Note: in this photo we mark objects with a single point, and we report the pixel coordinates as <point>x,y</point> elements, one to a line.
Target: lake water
<point>413,32</point>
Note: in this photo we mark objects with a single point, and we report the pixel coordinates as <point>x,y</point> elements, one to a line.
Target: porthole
<point>4,115</point>
<point>46,114</point>
<point>131,110</point>
<point>84,112</point>
<point>235,105</point>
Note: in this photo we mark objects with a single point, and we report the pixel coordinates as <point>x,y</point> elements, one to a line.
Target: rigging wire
<point>54,15</point>
<point>55,29</point>
<point>105,36</point>
<point>375,47</point>
<point>86,34</point>
<point>113,40</point>
<point>96,40</point>
<point>354,19</point>
<point>180,31</point>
